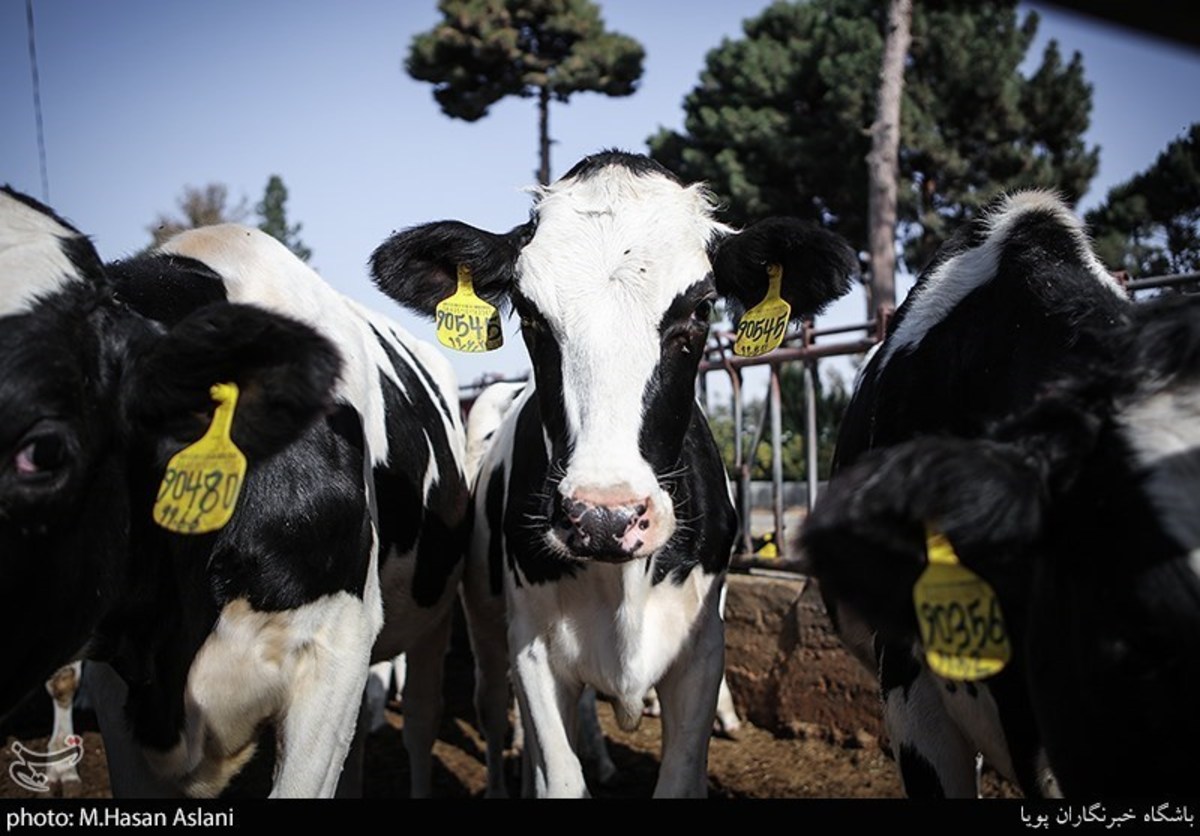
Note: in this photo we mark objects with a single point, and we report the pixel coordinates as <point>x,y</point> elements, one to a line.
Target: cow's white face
<point>614,279</point>
<point>614,291</point>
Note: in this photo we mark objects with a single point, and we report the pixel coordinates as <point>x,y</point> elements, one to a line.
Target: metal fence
<point>807,346</point>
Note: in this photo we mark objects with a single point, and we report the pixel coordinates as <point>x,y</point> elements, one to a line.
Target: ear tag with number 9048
<point>761,328</point>
<point>962,627</point>
<point>465,322</point>
<point>200,488</point>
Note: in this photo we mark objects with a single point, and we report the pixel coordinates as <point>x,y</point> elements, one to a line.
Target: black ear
<point>286,373</point>
<point>865,540</point>
<point>818,265</point>
<point>419,266</point>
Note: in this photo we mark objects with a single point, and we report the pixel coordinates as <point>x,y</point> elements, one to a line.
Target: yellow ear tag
<point>962,627</point>
<point>200,488</point>
<point>762,327</point>
<point>465,322</point>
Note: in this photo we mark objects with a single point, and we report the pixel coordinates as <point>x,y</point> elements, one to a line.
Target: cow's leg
<point>379,686</point>
<point>728,723</point>
<point>129,773</point>
<point>62,687</point>
<point>329,673</point>
<point>688,693</point>
<point>592,747</point>
<point>935,759</point>
<point>487,630</point>
<point>423,703</point>
<point>548,707</point>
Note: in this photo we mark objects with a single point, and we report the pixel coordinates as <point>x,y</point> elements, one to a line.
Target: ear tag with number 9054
<point>962,627</point>
<point>761,328</point>
<point>465,322</point>
<point>200,488</point>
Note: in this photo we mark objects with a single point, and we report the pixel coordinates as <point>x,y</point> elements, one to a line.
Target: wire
<point>37,103</point>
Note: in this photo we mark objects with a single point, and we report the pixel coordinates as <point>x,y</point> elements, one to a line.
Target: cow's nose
<point>603,529</point>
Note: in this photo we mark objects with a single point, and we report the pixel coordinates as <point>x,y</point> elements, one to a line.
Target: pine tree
<point>273,218</point>
<point>1150,225</point>
<point>779,122</point>
<point>485,50</point>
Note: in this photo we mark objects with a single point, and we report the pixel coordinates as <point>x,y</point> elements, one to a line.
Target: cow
<point>1082,511</point>
<point>1014,301</point>
<point>605,501</point>
<point>344,546</point>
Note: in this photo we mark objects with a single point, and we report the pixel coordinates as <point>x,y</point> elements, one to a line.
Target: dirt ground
<point>756,765</point>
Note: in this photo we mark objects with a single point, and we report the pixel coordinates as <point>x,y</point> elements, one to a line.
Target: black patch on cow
<point>545,356</point>
<point>706,522</point>
<point>897,667</point>
<point>918,775</point>
<point>529,493</point>
<point>668,401</point>
<point>494,509</point>
<point>166,288</point>
<point>438,519</point>
<point>639,164</point>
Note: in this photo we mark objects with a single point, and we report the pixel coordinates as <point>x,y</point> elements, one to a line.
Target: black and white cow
<point>606,502</point>
<point>1014,301</point>
<point>1083,512</point>
<point>348,533</point>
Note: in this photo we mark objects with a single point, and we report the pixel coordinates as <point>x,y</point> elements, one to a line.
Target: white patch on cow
<point>32,262</point>
<point>1163,425</point>
<point>1163,431</point>
<point>488,410</point>
<point>610,254</point>
<point>302,668</point>
<point>259,270</point>
<point>978,718</point>
<point>957,277</point>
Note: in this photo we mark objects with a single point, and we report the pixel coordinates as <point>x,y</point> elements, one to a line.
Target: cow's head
<point>614,278</point>
<point>93,401</point>
<point>1083,513</point>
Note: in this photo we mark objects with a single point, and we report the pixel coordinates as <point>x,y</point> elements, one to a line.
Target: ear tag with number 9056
<point>465,322</point>
<point>962,627</point>
<point>200,488</point>
<point>761,328</point>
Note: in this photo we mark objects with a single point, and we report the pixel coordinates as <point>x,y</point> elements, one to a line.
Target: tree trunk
<point>543,174</point>
<point>883,169</point>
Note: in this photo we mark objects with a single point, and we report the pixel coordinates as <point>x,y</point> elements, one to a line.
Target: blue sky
<point>143,97</point>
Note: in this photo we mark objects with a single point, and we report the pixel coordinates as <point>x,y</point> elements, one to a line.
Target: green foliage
<point>779,120</point>
<point>272,213</point>
<point>1150,225</point>
<point>832,398</point>
<point>485,50</point>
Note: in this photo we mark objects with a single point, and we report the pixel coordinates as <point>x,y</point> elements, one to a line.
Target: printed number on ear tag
<point>465,322</point>
<point>761,328</point>
<point>200,489</point>
<point>962,627</point>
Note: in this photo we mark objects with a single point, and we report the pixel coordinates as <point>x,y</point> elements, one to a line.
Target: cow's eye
<point>703,311</point>
<point>43,454</point>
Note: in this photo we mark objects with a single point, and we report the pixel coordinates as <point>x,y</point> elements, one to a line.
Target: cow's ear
<point>419,266</point>
<point>865,540</point>
<point>285,372</point>
<point>818,265</point>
